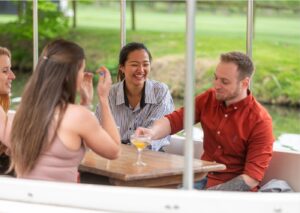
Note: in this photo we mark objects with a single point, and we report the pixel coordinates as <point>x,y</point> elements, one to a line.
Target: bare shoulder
<point>77,113</point>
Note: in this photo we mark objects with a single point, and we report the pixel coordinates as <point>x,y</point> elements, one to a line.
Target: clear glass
<point>140,142</point>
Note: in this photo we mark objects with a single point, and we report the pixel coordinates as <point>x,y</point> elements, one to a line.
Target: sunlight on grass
<point>7,18</point>
<point>277,29</point>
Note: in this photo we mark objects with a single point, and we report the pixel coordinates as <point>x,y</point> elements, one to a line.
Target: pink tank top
<point>58,163</point>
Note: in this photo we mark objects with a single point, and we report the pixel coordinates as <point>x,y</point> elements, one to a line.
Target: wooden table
<point>162,169</point>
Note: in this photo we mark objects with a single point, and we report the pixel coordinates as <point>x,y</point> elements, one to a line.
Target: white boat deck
<point>18,195</point>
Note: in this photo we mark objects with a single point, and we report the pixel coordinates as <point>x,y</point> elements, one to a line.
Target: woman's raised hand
<point>86,89</point>
<point>104,82</point>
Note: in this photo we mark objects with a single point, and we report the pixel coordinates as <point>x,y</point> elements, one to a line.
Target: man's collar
<point>239,104</point>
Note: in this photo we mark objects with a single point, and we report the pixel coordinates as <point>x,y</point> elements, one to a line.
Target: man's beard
<point>228,97</point>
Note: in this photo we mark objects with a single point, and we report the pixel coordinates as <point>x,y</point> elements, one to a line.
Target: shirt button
<point>235,107</point>
<point>219,147</point>
<point>226,115</point>
<point>218,132</point>
<point>211,173</point>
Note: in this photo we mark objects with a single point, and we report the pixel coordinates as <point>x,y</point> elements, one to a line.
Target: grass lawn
<point>276,47</point>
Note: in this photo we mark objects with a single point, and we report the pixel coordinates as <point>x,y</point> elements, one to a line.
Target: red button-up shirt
<point>239,136</point>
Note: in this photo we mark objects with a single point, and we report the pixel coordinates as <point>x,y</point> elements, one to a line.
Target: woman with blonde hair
<point>50,131</point>
<point>6,77</point>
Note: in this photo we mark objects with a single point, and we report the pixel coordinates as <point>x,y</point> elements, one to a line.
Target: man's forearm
<point>235,184</point>
<point>161,128</point>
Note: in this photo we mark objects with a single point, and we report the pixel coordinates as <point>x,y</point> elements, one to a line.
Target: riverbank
<point>285,119</point>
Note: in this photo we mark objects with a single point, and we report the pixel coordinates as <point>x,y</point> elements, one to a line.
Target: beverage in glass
<point>140,142</point>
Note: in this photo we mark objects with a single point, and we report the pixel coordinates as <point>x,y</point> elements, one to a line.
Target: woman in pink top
<point>6,77</point>
<point>49,128</point>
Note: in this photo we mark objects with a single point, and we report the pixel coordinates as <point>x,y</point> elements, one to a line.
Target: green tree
<point>18,35</point>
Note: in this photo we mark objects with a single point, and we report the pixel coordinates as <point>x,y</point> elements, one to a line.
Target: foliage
<point>18,35</point>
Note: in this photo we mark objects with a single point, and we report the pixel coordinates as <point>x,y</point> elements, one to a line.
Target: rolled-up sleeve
<point>260,149</point>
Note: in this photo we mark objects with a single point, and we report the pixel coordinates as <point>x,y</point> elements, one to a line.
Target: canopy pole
<point>123,22</point>
<point>249,32</point>
<point>35,33</point>
<point>249,28</point>
<point>188,176</point>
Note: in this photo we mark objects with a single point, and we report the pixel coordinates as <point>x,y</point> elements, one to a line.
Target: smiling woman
<point>6,77</point>
<point>136,100</point>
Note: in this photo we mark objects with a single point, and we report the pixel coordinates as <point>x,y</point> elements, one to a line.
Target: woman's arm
<point>108,122</point>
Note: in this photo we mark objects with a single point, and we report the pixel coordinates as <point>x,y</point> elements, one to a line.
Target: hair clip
<point>45,57</point>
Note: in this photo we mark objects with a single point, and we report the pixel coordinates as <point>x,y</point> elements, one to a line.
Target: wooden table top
<point>159,164</point>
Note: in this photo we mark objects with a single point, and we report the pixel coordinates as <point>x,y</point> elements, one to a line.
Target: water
<point>285,119</point>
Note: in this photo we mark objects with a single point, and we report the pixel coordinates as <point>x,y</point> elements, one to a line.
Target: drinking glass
<point>140,142</point>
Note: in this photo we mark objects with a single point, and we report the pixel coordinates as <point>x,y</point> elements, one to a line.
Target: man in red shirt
<point>237,129</point>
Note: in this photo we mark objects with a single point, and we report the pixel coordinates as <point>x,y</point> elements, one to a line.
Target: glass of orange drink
<point>140,142</point>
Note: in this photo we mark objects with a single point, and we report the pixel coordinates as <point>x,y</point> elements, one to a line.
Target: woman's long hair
<point>51,86</point>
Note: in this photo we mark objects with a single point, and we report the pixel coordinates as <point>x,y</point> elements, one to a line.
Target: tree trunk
<point>132,6</point>
<point>74,7</point>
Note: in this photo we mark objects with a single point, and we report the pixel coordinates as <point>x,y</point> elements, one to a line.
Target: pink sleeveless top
<point>58,163</point>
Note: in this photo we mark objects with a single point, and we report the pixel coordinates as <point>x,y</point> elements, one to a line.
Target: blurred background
<point>220,27</point>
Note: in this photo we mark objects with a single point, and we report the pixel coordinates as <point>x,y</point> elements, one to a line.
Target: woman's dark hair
<point>51,86</point>
<point>125,51</point>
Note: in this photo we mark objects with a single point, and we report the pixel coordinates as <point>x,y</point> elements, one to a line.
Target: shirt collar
<point>243,102</point>
<point>148,95</point>
<point>239,104</point>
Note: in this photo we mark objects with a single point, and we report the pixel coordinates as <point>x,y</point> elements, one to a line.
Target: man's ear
<point>246,82</point>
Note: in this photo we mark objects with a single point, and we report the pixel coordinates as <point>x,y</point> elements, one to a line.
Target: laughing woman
<point>6,77</point>
<point>136,100</point>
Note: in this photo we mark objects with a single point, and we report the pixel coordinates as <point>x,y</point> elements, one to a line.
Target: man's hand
<point>144,131</point>
<point>160,129</point>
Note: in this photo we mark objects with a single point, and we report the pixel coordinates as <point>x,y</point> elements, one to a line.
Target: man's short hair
<point>243,62</point>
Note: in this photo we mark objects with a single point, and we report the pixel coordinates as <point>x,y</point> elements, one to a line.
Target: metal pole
<point>188,176</point>
<point>249,28</point>
<point>123,22</point>
<point>74,6</point>
<point>35,33</point>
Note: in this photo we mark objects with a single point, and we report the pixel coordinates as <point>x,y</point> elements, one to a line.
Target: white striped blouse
<point>155,103</point>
